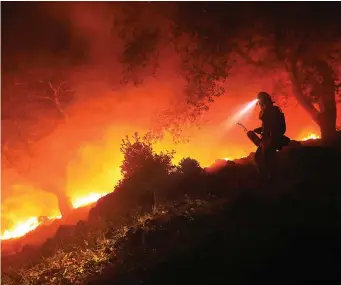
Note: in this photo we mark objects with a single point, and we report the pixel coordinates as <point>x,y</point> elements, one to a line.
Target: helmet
<point>264,98</point>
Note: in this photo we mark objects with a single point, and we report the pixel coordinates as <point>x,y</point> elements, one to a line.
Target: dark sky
<point>34,26</point>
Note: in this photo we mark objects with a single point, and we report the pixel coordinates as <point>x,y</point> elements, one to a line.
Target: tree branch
<point>247,58</point>
<point>56,97</point>
<point>51,86</point>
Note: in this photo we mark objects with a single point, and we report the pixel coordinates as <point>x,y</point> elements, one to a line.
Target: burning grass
<point>22,228</point>
<point>107,244</point>
<point>88,258</point>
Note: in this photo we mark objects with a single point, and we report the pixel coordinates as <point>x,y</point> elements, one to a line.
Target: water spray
<point>232,121</point>
<point>248,107</point>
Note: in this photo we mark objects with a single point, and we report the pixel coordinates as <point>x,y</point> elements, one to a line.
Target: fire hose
<point>251,135</point>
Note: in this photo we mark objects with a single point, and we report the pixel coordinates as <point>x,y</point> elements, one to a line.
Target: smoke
<point>81,155</point>
<point>78,43</point>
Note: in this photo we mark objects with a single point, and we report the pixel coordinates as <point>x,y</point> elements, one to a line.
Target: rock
<point>65,232</point>
<point>29,250</point>
<point>81,229</point>
<point>49,247</point>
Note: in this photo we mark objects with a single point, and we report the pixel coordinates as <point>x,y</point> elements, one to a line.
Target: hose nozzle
<point>245,129</point>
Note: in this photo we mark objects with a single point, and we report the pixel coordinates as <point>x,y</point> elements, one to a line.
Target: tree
<point>139,26</point>
<point>306,50</point>
<point>140,159</point>
<point>26,98</point>
<point>298,43</point>
<point>189,166</point>
<point>144,172</point>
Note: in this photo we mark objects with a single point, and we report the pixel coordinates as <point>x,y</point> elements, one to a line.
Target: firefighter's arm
<point>258,130</point>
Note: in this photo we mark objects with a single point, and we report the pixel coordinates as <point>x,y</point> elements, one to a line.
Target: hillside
<point>218,227</point>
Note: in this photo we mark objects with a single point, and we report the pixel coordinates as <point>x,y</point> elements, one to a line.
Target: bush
<point>189,166</point>
<point>140,158</point>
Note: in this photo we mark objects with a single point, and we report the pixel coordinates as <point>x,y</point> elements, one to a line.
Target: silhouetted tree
<point>144,170</point>
<point>189,166</point>
<point>139,157</point>
<point>303,51</point>
<point>26,95</point>
<point>296,46</point>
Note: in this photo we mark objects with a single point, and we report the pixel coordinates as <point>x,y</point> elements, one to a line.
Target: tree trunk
<point>327,103</point>
<point>325,118</point>
<point>64,203</point>
<point>327,127</point>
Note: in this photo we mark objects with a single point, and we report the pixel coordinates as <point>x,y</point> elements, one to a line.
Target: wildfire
<point>23,227</point>
<point>311,136</point>
<point>89,199</point>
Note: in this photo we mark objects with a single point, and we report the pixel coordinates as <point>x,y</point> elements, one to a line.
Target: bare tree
<point>20,102</point>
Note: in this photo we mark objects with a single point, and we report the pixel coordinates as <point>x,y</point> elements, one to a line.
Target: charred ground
<point>188,226</point>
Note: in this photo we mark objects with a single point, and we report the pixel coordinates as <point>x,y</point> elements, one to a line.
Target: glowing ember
<point>91,198</point>
<point>311,137</point>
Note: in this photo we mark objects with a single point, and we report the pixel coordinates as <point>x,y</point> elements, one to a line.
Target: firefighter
<point>272,135</point>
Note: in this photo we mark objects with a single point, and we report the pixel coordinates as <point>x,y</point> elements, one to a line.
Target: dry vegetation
<point>94,255</point>
<point>126,239</point>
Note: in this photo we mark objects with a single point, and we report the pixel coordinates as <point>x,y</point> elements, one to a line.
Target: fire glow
<point>22,228</point>
<point>26,226</point>
<point>89,199</point>
<point>311,136</point>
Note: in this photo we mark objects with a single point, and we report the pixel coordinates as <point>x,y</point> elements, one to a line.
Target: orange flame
<point>311,136</point>
<point>23,227</point>
<point>89,199</point>
<point>30,224</point>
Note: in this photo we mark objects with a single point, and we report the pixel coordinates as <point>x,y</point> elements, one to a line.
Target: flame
<point>311,136</point>
<point>24,227</point>
<point>21,228</point>
<point>86,200</point>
